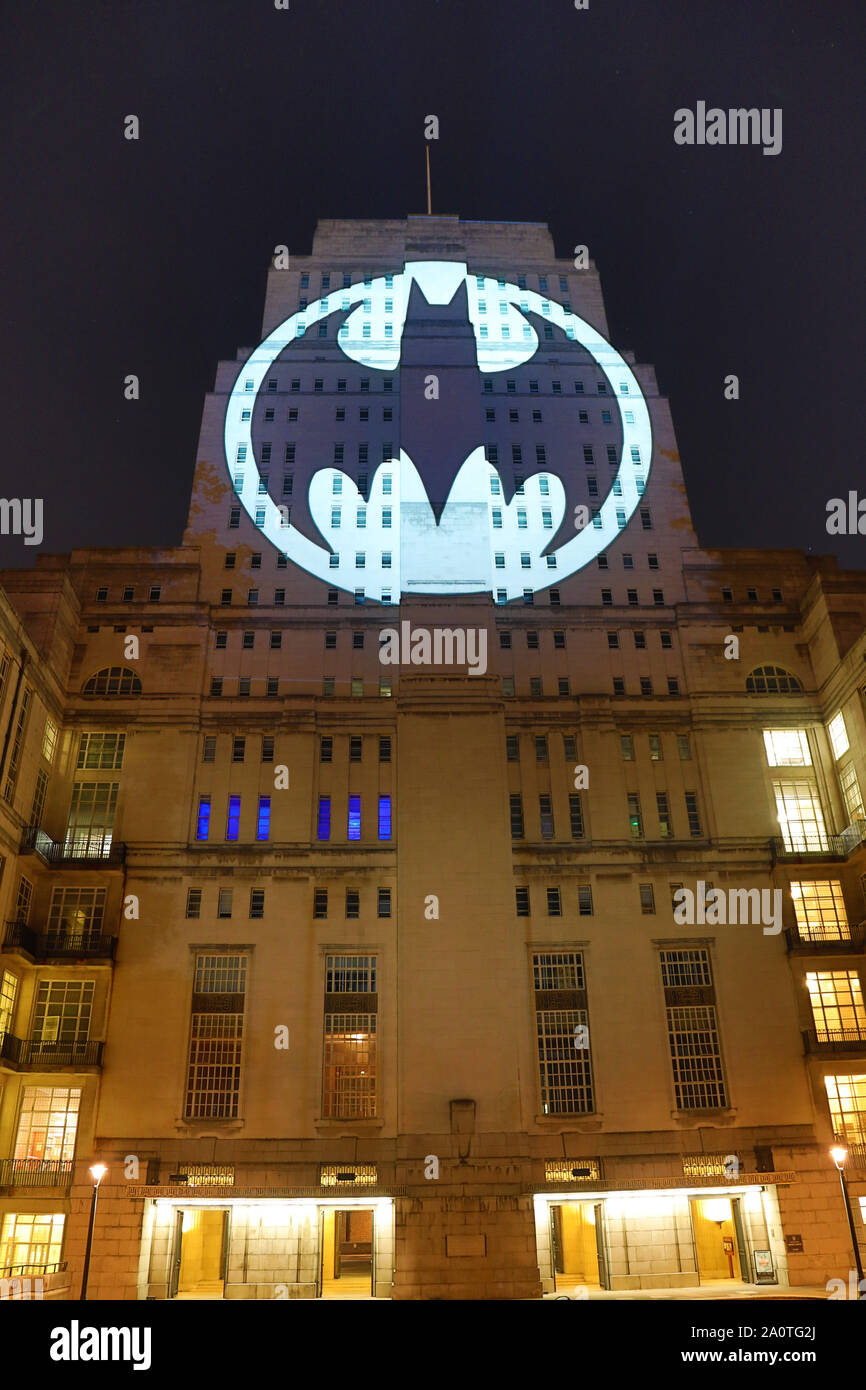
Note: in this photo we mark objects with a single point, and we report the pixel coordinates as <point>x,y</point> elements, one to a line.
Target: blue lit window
<point>203,826</point>
<point>241,454</point>
<point>246,414</point>
<point>551,562</point>
<point>483,330</point>
<point>521,521</point>
<point>263,826</point>
<point>547,519</point>
<point>386,484</point>
<point>337,483</point>
<point>494,487</point>
<point>386,559</point>
<point>365,331</point>
<point>620,519</point>
<point>497,519</point>
<point>354,818</point>
<point>499,561</point>
<point>384,817</point>
<point>635,457</point>
<point>386,518</point>
<point>361,518</point>
<point>629,417</point>
<point>260,516</point>
<point>323,828</point>
<point>234,818</point>
<point>389,330</point>
<point>334,561</point>
<point>544,487</point>
<point>335,517</point>
<point>524,561</point>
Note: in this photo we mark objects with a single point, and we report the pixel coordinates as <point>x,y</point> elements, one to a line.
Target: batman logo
<point>513,445</point>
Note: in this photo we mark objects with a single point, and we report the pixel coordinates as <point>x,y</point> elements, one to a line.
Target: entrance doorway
<point>346,1252</point>
<point>199,1256</point>
<point>718,1239</point>
<point>578,1248</point>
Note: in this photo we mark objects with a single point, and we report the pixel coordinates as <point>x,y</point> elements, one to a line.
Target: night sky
<point>150,257</point>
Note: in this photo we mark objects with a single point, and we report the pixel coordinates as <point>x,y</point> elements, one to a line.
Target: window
<point>47,1126</point>
<point>666,829</point>
<point>354,819</point>
<point>846,1097</point>
<point>384,749</point>
<point>91,818</point>
<point>31,1244</point>
<point>634,816</point>
<point>224,902</point>
<point>326,749</point>
<point>838,735</point>
<point>575,811</point>
<point>684,748</point>
<point>562,1031</point>
<point>626,744</point>
<point>693,814</point>
<point>647,898</point>
<point>613,640</point>
<point>545,812</point>
<point>193,902</point>
<point>384,817</point>
<point>233,818</point>
<point>216,1037</point>
<point>353,903</point>
<point>819,908</point>
<point>851,792</point>
<point>521,901</point>
<point>383,902</point>
<point>75,917</point>
<point>554,902</point>
<point>113,680</point>
<point>801,819</point>
<point>541,748</point>
<point>356,745</point>
<point>323,823</point>
<point>263,820</point>
<point>693,1036</point>
<point>787,748</point>
<point>320,902</point>
<point>516,812</point>
<point>772,680</point>
<point>837,1005</point>
<point>238,749</point>
<point>655,748</point>
<point>49,737</point>
<point>349,1064</point>
<point>267,748</point>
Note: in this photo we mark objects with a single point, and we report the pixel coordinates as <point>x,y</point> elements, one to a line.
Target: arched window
<point>773,680</point>
<point>113,680</point>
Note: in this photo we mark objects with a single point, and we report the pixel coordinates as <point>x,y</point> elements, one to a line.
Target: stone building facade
<point>373,978</point>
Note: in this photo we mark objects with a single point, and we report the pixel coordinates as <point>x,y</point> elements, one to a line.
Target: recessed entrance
<point>346,1252</point>
<point>577,1245</point>
<point>716,1238</point>
<point>199,1261</point>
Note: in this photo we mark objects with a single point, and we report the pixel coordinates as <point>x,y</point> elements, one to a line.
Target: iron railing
<point>72,851</point>
<point>28,1052</point>
<point>35,1172</point>
<point>58,944</point>
<point>838,945</point>
<point>835,1039</point>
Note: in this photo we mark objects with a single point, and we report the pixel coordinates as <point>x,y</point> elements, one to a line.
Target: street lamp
<point>839,1155</point>
<point>97,1172</point>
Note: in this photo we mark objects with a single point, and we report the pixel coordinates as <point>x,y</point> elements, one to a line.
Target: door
<point>346,1252</point>
<point>740,1237</point>
<point>203,1245</point>
<point>601,1246</point>
<point>176,1247</point>
<point>555,1214</point>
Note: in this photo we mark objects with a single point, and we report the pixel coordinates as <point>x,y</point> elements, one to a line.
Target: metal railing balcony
<point>826,944</point>
<point>43,1056</point>
<point>821,846</point>
<point>836,1040</point>
<point>108,853</point>
<point>58,944</point>
<point>35,1172</point>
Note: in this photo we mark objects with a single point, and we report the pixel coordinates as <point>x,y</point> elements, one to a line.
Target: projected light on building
<point>482,541</point>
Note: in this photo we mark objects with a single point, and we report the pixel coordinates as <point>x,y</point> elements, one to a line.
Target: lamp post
<point>839,1155</point>
<point>97,1172</point>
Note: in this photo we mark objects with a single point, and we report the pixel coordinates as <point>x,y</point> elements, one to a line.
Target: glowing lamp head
<point>98,1172</point>
<point>839,1155</point>
<point>717,1209</point>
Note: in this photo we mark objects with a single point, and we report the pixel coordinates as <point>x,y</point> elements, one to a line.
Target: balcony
<point>26,1054</point>
<point>70,854</point>
<point>835,1042</point>
<point>57,945</point>
<point>34,1172</point>
<point>827,945</point>
<point>825,847</point>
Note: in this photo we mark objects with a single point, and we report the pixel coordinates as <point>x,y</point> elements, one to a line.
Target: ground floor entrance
<point>346,1250</point>
<point>267,1248</point>
<point>199,1253</point>
<point>724,1239</point>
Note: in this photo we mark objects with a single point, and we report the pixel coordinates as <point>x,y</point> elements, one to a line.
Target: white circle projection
<point>464,553</point>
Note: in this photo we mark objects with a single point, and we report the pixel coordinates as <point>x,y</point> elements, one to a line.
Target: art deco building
<point>361,975</point>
